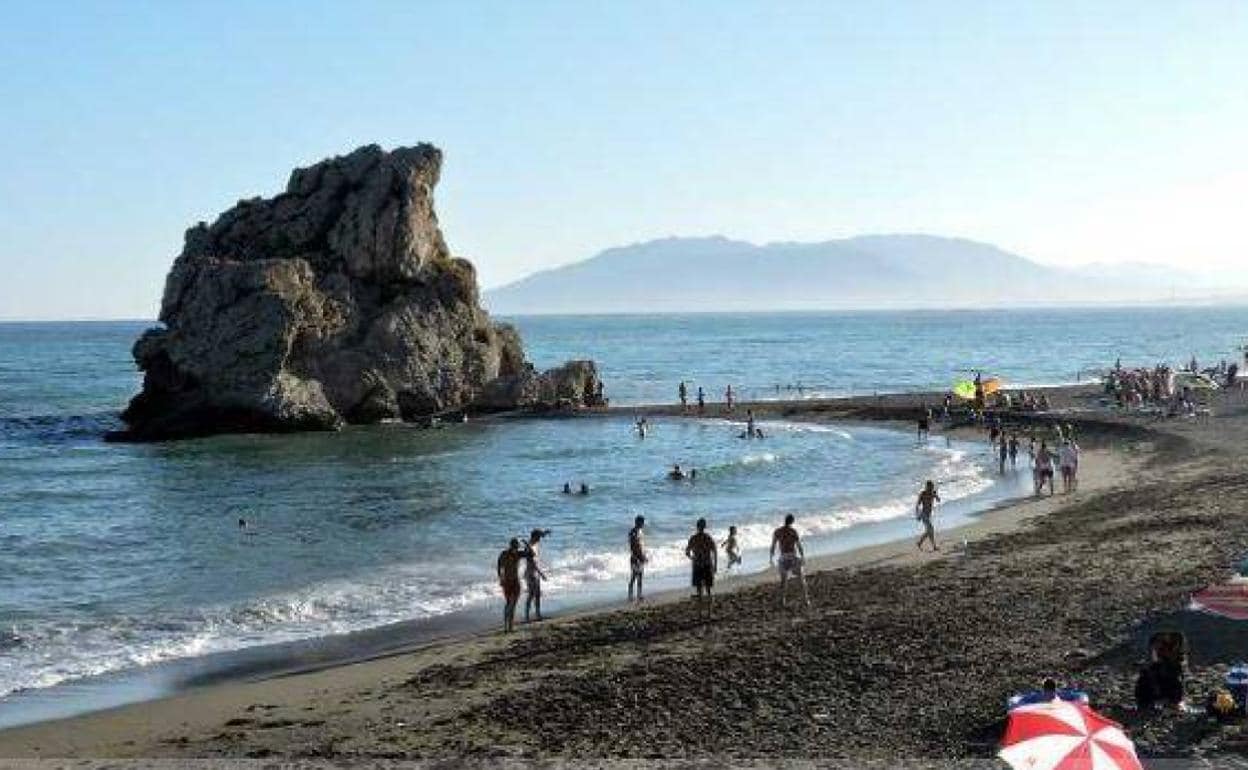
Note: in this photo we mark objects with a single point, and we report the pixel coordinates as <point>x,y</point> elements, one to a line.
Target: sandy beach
<point>921,648</point>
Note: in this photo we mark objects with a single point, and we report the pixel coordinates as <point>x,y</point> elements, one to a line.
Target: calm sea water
<point>117,556</point>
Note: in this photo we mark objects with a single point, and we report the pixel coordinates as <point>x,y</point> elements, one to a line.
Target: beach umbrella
<point>1229,600</point>
<point>992,386</point>
<point>964,389</point>
<point>1061,735</point>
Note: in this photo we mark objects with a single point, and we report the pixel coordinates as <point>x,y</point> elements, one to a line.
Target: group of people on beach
<point>703,554</point>
<point>1043,460</point>
<point>520,570</point>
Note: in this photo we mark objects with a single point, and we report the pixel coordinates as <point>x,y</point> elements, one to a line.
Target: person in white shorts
<point>792,557</point>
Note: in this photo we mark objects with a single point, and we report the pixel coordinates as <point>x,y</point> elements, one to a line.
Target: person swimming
<point>567,488</point>
<point>676,474</point>
<point>584,489</point>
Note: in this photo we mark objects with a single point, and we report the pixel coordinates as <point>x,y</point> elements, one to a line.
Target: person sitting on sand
<point>704,556</point>
<point>792,557</point>
<point>1044,469</point>
<point>731,549</point>
<point>636,556</point>
<point>676,474</point>
<point>533,574</point>
<point>923,512</point>
<point>509,580</point>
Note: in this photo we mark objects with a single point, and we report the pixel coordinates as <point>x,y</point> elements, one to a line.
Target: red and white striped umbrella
<point>1230,600</point>
<point>1061,735</point>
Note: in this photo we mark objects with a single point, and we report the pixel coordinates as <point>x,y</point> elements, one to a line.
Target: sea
<point>121,560</point>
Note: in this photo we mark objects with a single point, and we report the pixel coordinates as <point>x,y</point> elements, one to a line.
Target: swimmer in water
<point>584,488</point>
<point>567,488</point>
<point>676,474</point>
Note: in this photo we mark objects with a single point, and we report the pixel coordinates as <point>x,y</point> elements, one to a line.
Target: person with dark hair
<point>533,574</point>
<point>792,557</point>
<point>636,556</point>
<point>923,512</point>
<point>704,556</point>
<point>509,579</point>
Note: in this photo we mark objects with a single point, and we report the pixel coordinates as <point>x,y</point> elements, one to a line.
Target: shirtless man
<point>636,556</point>
<point>704,555</point>
<point>923,512</point>
<point>791,558</point>
<point>509,579</point>
<point>533,574</point>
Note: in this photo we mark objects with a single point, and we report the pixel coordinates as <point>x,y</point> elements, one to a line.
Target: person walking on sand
<point>533,574</point>
<point>704,557</point>
<point>792,558</point>
<point>509,580</point>
<point>636,556</point>
<point>701,400</point>
<point>923,512</point>
<point>728,396</point>
<point>1068,459</point>
<point>1044,469</point>
<point>683,392</point>
<point>732,549</point>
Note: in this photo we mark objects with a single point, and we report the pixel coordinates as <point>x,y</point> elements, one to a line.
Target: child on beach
<point>731,549</point>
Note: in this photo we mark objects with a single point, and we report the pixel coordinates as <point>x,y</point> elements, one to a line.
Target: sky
<point>1067,132</point>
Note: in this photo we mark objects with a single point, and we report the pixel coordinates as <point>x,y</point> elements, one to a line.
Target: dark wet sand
<point>901,658</point>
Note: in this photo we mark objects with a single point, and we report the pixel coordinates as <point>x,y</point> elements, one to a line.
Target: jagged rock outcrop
<point>336,301</point>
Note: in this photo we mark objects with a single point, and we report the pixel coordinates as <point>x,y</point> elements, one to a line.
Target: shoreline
<point>170,678</point>
<point>94,733</point>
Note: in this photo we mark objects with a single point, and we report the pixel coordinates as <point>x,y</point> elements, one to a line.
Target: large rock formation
<point>336,301</point>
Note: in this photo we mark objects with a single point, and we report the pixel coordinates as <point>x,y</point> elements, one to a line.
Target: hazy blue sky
<point>1069,132</point>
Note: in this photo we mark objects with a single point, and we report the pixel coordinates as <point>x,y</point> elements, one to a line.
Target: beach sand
<point>904,656</point>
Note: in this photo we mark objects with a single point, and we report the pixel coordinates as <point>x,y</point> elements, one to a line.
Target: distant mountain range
<point>870,271</point>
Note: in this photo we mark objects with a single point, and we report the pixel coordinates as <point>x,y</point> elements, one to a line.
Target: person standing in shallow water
<point>683,392</point>
<point>728,396</point>
<point>704,556</point>
<point>701,400</point>
<point>509,580</point>
<point>636,556</point>
<point>792,559</point>
<point>533,574</point>
<point>923,512</point>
